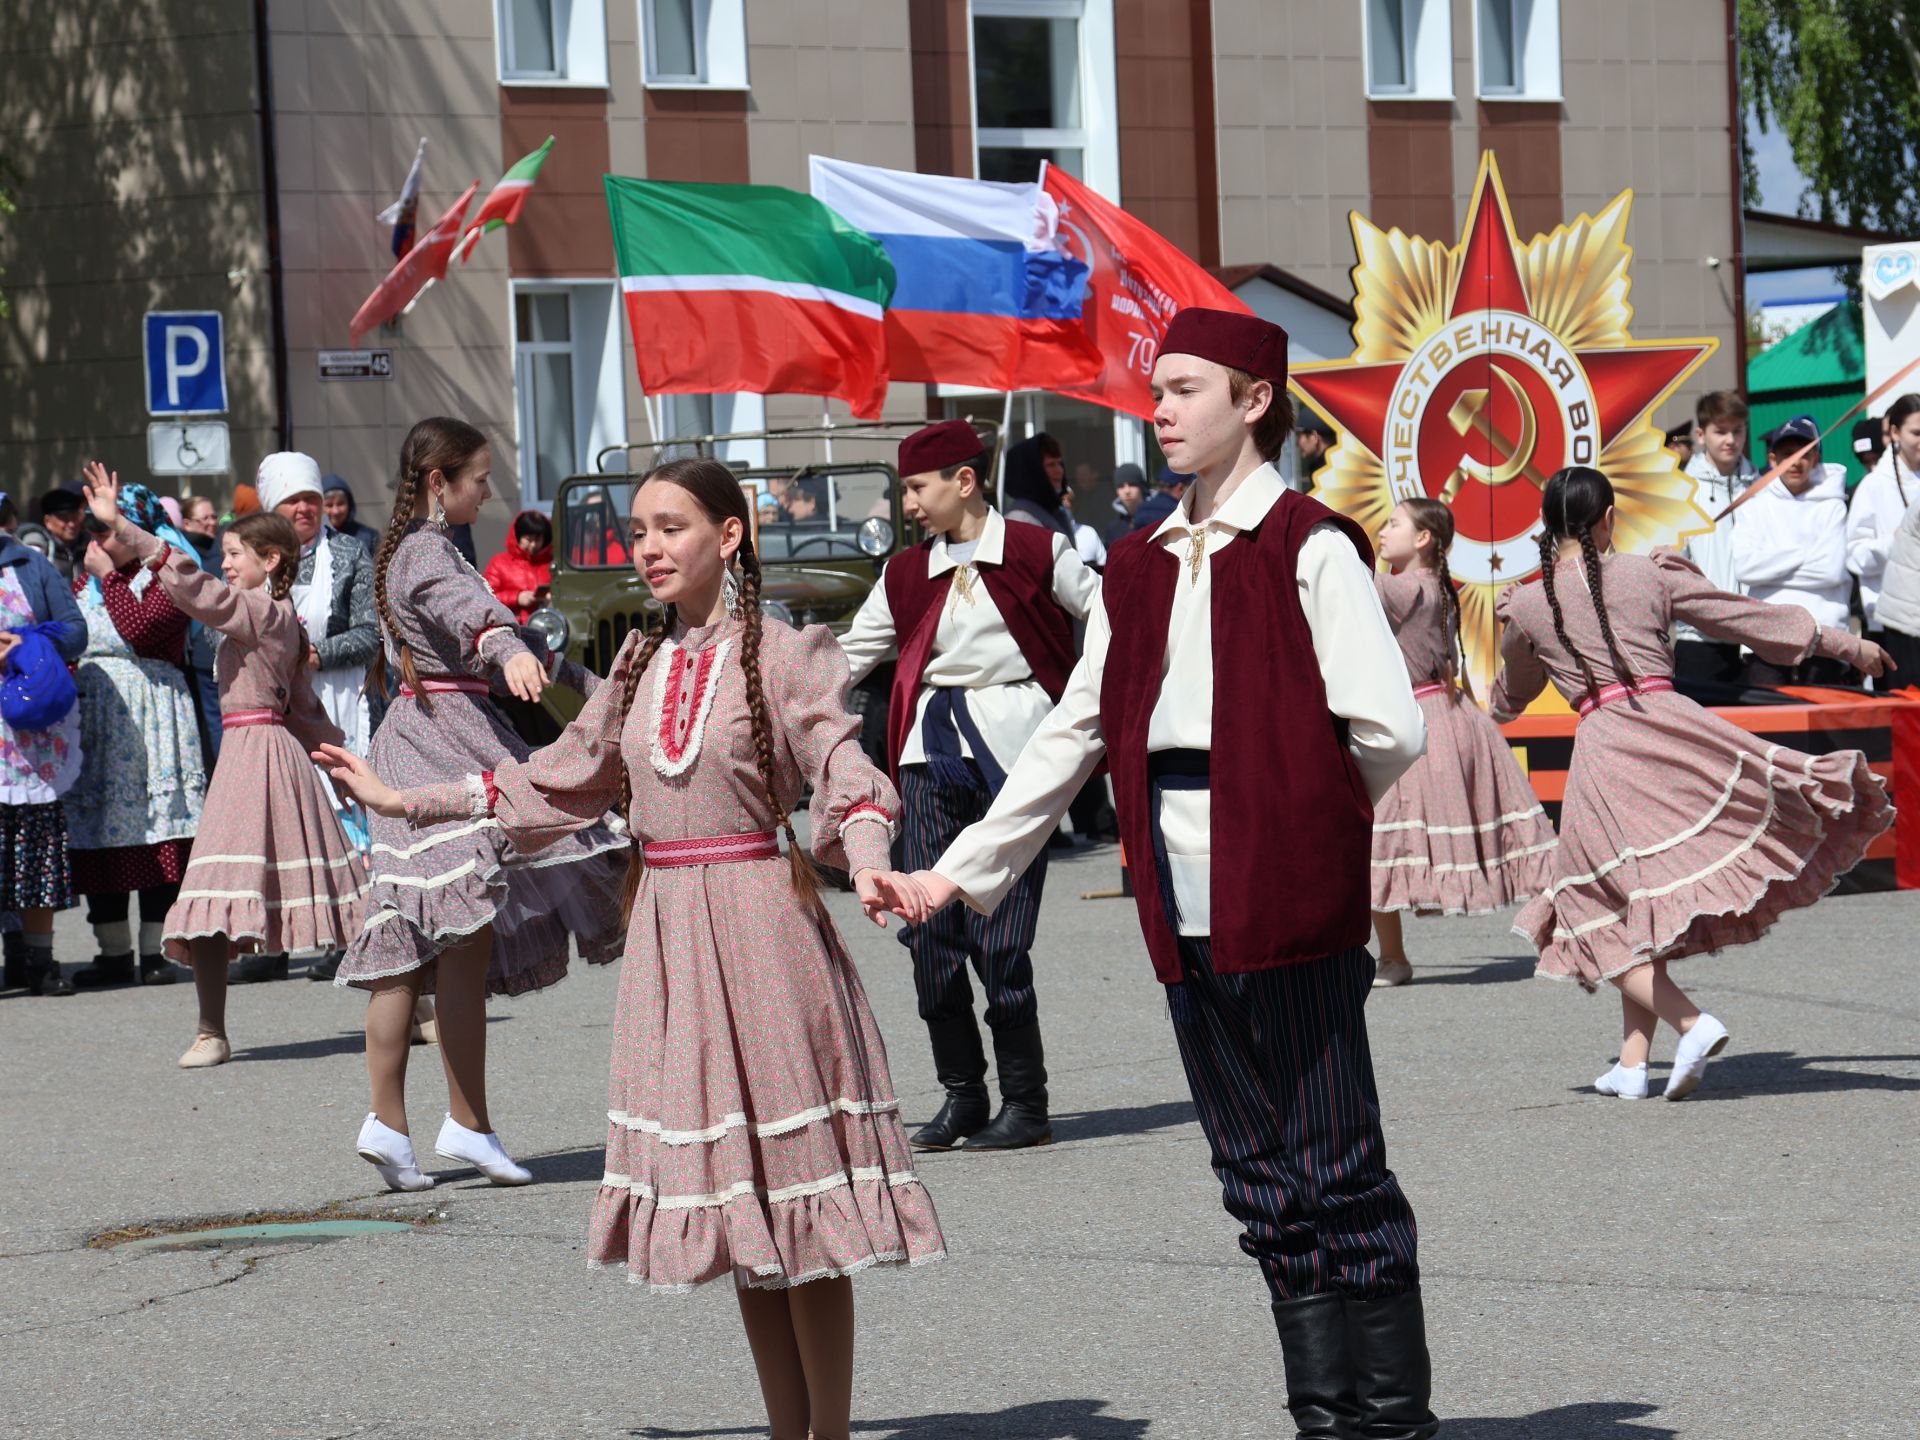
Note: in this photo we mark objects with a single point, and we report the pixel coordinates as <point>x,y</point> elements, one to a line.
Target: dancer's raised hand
<point>355,777</point>
<point>103,492</point>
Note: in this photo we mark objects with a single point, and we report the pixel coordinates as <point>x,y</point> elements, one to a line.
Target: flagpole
<point>1000,460</point>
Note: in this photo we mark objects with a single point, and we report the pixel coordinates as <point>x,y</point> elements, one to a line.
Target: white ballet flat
<point>482,1151</point>
<point>1706,1039</point>
<point>1624,1082</point>
<point>391,1153</point>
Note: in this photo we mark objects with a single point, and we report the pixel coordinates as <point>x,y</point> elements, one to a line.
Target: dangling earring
<point>439,516</point>
<point>730,592</point>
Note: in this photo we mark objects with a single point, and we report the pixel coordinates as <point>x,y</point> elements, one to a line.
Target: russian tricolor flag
<point>985,294</point>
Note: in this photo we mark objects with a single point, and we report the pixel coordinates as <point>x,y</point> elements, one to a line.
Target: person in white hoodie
<point>1720,471</point>
<point>1883,497</point>
<point>1792,547</point>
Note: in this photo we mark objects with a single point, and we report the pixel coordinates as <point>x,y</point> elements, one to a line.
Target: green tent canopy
<point>1818,370</point>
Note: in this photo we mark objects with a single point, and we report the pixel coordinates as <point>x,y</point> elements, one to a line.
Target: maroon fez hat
<point>1230,338</point>
<point>951,442</point>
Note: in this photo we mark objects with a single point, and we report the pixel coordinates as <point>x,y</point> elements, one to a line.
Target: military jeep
<point>825,529</point>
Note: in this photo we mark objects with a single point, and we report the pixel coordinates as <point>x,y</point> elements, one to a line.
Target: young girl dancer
<point>1461,832</point>
<point>271,869</point>
<point>458,904</point>
<point>1679,833</point>
<point>754,1130</point>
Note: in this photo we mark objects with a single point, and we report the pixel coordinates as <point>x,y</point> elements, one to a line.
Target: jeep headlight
<point>875,537</point>
<point>552,628</point>
<point>777,610</point>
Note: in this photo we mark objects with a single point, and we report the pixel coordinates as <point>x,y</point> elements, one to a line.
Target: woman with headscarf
<point>132,816</point>
<point>1034,470</point>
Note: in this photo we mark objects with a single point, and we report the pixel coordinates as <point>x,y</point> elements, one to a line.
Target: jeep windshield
<point>811,513</point>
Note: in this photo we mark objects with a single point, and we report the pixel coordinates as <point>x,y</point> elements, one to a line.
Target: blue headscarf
<point>141,506</point>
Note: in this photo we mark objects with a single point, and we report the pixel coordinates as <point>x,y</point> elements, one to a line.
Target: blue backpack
<point>37,689</point>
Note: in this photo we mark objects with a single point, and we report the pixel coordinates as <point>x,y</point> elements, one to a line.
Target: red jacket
<point>513,570</point>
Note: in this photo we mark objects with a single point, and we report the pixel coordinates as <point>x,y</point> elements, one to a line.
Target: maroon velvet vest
<point>1292,822</point>
<point>1021,587</point>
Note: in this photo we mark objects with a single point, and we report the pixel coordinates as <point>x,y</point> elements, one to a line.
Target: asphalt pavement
<point>1740,1265</point>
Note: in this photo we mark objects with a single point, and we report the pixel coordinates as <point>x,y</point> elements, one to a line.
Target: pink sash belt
<point>1616,692</point>
<point>711,850</point>
<point>1431,687</point>
<point>240,719</point>
<point>438,684</point>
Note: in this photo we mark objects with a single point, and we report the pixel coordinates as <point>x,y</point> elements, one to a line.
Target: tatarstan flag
<point>504,202</point>
<point>750,288</point>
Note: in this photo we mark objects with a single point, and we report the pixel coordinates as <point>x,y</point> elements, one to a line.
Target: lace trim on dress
<point>673,754</point>
<point>612,1180</point>
<point>738,1121</point>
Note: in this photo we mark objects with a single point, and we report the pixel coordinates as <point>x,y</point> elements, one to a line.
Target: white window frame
<point>1429,27</point>
<point>1536,25</point>
<point>1097,137</point>
<point>720,47</point>
<point>579,44</point>
<point>599,379</point>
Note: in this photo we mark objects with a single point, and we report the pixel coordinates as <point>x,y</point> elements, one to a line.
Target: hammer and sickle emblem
<point>1469,417</point>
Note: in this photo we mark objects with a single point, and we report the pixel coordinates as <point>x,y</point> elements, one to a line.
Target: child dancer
<point>755,1131</point>
<point>271,869</point>
<point>982,617</point>
<point>458,904</point>
<point>1461,832</point>
<point>1241,638</point>
<point>1679,833</point>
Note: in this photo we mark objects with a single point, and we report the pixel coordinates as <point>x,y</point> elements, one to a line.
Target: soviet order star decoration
<point>1481,368</point>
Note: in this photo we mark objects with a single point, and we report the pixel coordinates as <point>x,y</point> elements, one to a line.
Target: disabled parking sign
<point>186,363</point>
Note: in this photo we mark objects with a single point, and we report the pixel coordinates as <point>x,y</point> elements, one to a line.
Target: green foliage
<point>1841,80</point>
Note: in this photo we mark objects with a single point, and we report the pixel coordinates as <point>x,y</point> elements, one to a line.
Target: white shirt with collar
<point>1360,666</point>
<point>972,648</point>
<point>1712,551</point>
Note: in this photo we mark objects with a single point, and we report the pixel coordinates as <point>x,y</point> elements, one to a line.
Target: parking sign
<point>186,363</point>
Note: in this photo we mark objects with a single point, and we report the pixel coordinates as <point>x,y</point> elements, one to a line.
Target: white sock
<point>151,933</point>
<point>114,937</point>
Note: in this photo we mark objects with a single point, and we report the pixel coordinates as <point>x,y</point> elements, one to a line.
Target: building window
<point>568,391</point>
<point>1518,48</point>
<point>1043,89</point>
<point>552,42</point>
<point>694,44</point>
<point>1409,46</point>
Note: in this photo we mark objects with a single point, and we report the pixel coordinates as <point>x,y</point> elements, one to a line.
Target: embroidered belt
<point>1613,694</point>
<point>438,684</point>
<point>240,719</point>
<point>1431,687</point>
<point>711,850</point>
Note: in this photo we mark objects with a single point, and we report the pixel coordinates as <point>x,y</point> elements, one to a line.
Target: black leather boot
<point>156,970</point>
<point>253,969</point>
<point>1320,1386</point>
<point>15,946</point>
<point>43,975</point>
<point>107,972</point>
<point>961,1066</point>
<point>1392,1374</point>
<point>1022,1120</point>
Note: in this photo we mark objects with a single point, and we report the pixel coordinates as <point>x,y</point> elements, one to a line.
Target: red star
<point>1626,381</point>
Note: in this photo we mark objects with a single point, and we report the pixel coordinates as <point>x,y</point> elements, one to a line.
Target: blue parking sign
<point>186,363</point>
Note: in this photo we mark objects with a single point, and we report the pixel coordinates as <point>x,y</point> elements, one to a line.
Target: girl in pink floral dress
<point>1461,832</point>
<point>754,1130</point>
<point>1679,833</point>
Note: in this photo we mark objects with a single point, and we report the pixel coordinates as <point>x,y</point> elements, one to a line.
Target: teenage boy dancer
<point>1254,649</point>
<point>982,617</point>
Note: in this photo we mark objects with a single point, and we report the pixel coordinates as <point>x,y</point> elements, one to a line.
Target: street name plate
<point>356,364</point>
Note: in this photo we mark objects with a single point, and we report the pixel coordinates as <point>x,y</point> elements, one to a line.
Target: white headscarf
<point>283,475</point>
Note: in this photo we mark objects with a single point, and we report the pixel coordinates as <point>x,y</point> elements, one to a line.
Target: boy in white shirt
<point>1721,471</point>
<point>981,615</point>
<point>1254,647</point>
<point>1792,546</point>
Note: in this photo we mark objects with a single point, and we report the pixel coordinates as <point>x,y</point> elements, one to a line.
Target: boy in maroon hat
<point>1254,649</point>
<point>981,615</point>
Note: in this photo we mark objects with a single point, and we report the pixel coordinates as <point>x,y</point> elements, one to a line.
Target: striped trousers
<point>1282,1078</point>
<point>998,946</point>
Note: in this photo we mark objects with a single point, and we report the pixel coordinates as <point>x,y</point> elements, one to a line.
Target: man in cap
<point>1129,493</point>
<point>1254,652</point>
<point>981,615</point>
<point>59,513</point>
<point>1312,438</point>
<point>333,593</point>
<point>1168,489</point>
<point>1791,547</point>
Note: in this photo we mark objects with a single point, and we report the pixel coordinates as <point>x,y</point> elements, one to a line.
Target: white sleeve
<point>991,854</point>
<point>1074,585</point>
<point>870,638</point>
<point>1360,662</point>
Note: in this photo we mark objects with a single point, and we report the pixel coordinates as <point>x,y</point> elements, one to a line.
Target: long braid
<point>806,880</point>
<point>1622,672</point>
<point>649,648</point>
<point>1549,556</point>
<point>1457,652</point>
<point>405,498</point>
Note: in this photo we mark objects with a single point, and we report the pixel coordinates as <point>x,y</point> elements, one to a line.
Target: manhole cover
<point>307,1232</point>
